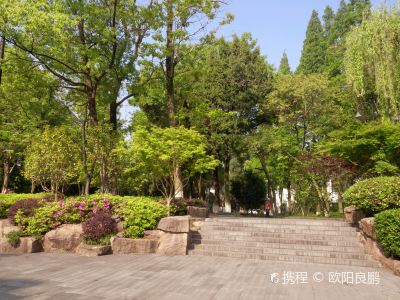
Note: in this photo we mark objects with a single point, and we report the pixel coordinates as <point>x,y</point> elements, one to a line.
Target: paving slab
<point>65,276</point>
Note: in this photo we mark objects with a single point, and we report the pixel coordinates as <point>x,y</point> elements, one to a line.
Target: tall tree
<point>284,67</point>
<point>312,58</point>
<point>371,60</point>
<point>328,18</point>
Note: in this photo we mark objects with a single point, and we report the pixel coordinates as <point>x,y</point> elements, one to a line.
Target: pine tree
<point>284,67</point>
<point>314,48</point>
<point>328,18</point>
<point>348,15</point>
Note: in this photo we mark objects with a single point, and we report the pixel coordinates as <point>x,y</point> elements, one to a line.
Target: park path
<point>65,276</point>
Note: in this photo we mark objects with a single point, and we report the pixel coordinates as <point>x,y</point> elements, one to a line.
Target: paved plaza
<point>65,276</point>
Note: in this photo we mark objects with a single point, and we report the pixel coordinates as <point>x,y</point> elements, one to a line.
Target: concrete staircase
<point>286,240</point>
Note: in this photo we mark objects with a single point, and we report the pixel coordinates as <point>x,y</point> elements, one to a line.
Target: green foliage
<point>6,200</point>
<point>141,214</point>
<point>312,58</point>
<point>39,224</point>
<point>373,147</point>
<point>13,238</point>
<point>387,227</point>
<point>104,240</point>
<point>371,60</point>
<point>249,189</point>
<point>284,67</point>
<point>374,194</point>
<point>158,151</point>
<point>53,156</point>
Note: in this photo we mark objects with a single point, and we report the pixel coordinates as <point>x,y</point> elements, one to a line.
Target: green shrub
<point>13,238</point>
<point>41,222</point>
<point>375,194</point>
<point>6,200</point>
<point>140,214</point>
<point>387,227</point>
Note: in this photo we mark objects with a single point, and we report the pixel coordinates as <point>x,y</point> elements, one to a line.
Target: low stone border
<point>353,215</point>
<point>26,245</point>
<point>93,250</point>
<point>122,245</point>
<point>368,238</point>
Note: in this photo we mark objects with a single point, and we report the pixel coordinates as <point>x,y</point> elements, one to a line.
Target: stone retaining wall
<point>368,238</point>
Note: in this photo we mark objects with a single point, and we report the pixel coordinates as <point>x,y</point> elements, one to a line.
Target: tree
<point>284,67</point>
<point>180,18</point>
<point>157,152</point>
<point>235,81</point>
<point>328,18</point>
<point>249,189</point>
<point>53,157</point>
<point>371,60</point>
<point>312,58</point>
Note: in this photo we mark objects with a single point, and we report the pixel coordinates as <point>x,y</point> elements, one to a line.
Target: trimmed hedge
<point>387,228</point>
<point>375,194</point>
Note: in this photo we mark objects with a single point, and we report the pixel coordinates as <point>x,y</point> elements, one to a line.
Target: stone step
<point>249,236</point>
<point>287,229</point>
<point>287,221</point>
<point>288,258</point>
<point>328,246</point>
<point>280,251</point>
<point>256,226</point>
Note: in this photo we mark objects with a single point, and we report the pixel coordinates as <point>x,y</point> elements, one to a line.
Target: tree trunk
<point>113,115</point>
<point>271,185</point>
<point>6,173</point>
<point>289,186</point>
<point>33,186</point>
<point>217,186</point>
<point>178,185</point>
<point>227,192</point>
<point>2,51</point>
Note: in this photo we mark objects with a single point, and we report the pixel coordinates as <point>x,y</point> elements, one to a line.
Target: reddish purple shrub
<point>98,225</point>
<point>27,207</point>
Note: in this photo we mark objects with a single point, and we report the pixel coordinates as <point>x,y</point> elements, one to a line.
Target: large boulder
<point>174,232</point>
<point>26,245</point>
<point>178,224</point>
<point>92,250</point>
<point>197,212</point>
<point>6,227</point>
<point>173,244</point>
<point>65,238</point>
<point>367,227</point>
<point>122,245</point>
<point>353,215</point>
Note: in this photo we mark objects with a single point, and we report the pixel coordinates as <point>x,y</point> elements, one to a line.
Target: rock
<point>174,224</point>
<point>128,246</point>
<point>367,227</point>
<point>120,226</point>
<point>92,250</point>
<point>152,234</point>
<point>173,244</point>
<point>26,245</point>
<point>353,215</point>
<point>64,238</point>
<point>6,227</point>
<point>197,212</point>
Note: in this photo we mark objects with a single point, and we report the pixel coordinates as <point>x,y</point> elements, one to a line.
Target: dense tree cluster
<point>212,114</point>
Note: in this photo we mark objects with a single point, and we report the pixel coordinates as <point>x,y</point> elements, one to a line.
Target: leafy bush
<point>140,214</point>
<point>6,200</point>
<point>249,189</point>
<point>387,227</point>
<point>38,224</point>
<point>99,225</point>
<point>13,238</point>
<point>25,207</point>
<point>375,194</point>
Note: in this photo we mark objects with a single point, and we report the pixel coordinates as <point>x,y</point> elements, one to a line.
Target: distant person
<point>267,207</point>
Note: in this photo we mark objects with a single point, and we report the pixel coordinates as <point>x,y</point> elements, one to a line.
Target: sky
<point>278,25</point>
